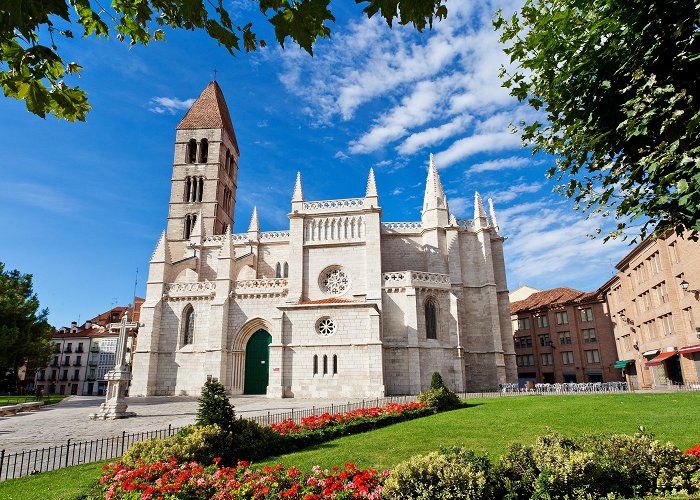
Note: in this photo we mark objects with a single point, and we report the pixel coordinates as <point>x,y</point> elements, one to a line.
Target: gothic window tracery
<point>334,280</point>
<point>430,319</point>
<point>285,270</point>
<point>188,330</point>
<point>325,326</point>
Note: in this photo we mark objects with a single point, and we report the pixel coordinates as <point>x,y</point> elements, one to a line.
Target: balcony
<point>93,363</point>
<point>95,348</point>
<point>64,379</point>
<point>68,350</point>
<point>90,378</point>
<point>79,349</point>
<point>55,364</point>
<point>66,363</point>
<point>75,379</point>
<point>77,363</point>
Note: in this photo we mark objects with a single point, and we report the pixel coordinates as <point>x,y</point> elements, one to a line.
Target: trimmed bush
<point>214,406</point>
<point>441,399</point>
<point>436,381</point>
<point>192,443</point>
<point>454,473</point>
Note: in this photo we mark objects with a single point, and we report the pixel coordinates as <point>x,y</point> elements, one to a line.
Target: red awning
<point>661,358</point>
<point>689,348</point>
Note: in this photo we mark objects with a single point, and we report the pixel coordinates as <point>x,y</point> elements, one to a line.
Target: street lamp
<point>685,285</point>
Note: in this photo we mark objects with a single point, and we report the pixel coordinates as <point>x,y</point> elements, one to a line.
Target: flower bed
<point>326,420</point>
<point>193,481</point>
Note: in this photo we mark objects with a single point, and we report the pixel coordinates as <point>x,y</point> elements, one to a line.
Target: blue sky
<point>84,203</point>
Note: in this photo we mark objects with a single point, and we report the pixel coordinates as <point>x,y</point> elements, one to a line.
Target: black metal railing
<point>24,463</point>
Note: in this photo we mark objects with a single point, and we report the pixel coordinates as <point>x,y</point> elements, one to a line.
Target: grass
<point>487,425</point>
<point>48,400</point>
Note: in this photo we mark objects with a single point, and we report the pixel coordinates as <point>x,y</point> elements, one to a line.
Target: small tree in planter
<point>214,406</point>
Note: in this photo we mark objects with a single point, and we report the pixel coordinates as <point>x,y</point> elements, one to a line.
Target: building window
<point>430,319</point>
<point>76,374</point>
<point>325,326</point>
<point>593,356</point>
<point>525,341</point>
<point>278,270</point>
<point>203,151</point>
<point>80,347</point>
<point>191,153</point>
<point>523,323</point>
<point>542,321</point>
<point>77,360</point>
<point>562,318</point>
<point>188,332</point>
<point>589,336</point>
<point>285,270</point>
<point>565,338</point>
<point>673,251</point>
<point>586,315</point>
<point>334,280</point>
<point>325,364</point>
<point>567,357</point>
<point>69,347</point>
<point>547,359</point>
<point>525,360</point>
<point>545,341</point>
<point>315,364</point>
<point>335,364</point>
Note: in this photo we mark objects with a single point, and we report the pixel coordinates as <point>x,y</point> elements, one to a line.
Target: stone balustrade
<point>238,238</point>
<point>467,224</point>
<point>187,290</point>
<point>264,286</point>
<point>334,205</point>
<point>402,227</point>
<point>274,235</point>
<point>416,279</point>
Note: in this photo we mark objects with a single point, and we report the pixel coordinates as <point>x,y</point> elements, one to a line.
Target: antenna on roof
<point>215,72</point>
<point>136,280</point>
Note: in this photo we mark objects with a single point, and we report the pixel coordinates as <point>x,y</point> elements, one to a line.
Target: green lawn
<point>48,400</point>
<point>487,425</point>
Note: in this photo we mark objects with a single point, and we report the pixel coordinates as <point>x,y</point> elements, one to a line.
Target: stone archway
<point>238,352</point>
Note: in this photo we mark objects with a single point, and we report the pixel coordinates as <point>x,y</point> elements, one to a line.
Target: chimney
<point>88,324</point>
<point>73,326</point>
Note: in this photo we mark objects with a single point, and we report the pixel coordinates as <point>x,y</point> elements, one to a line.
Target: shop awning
<point>650,353</point>
<point>622,363</point>
<point>661,358</point>
<point>689,348</point>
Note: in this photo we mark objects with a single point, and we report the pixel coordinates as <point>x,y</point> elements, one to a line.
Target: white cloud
<point>512,162</point>
<point>341,156</point>
<point>512,192</point>
<point>170,105</point>
<point>433,135</point>
<point>474,144</point>
<point>397,191</point>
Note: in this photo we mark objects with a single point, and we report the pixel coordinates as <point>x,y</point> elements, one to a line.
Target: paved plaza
<point>53,425</point>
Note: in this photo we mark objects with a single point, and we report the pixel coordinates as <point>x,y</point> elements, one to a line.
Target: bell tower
<point>205,169</point>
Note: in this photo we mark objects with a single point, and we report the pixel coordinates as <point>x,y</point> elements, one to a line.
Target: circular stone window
<point>334,280</point>
<point>325,326</point>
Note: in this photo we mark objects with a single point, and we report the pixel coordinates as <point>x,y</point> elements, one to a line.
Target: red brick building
<point>564,335</point>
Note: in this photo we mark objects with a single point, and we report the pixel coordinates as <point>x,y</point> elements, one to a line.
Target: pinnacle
<point>492,214</point>
<point>298,194</point>
<point>162,250</point>
<point>254,222</point>
<point>371,185</point>
<point>479,210</point>
<point>434,193</point>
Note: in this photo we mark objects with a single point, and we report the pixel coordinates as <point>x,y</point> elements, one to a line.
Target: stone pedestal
<point>114,405</point>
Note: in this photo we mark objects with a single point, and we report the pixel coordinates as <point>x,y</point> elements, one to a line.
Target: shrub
<point>452,473</point>
<point>214,406</point>
<point>436,381</point>
<point>198,443</point>
<point>441,399</point>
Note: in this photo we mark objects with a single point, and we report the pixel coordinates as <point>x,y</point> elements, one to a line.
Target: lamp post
<point>685,285</point>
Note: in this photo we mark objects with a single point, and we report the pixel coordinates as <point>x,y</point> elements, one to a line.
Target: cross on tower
<point>215,72</point>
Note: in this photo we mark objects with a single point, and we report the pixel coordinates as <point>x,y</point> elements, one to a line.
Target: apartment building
<point>564,335</point>
<point>654,302</point>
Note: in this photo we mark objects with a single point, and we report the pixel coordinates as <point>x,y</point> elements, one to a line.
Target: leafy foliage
<point>25,334</point>
<point>215,407</point>
<point>32,69</point>
<point>436,381</point>
<point>439,397</point>
<point>617,81</point>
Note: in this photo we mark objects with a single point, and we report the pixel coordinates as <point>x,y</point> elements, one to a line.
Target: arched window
<point>191,153</point>
<point>203,151</point>
<point>188,226</point>
<point>430,319</point>
<point>188,185</point>
<point>188,331</point>
<point>278,270</point>
<point>200,191</point>
<point>325,364</point>
<point>335,364</point>
<point>286,271</point>
<point>227,164</point>
<point>315,364</point>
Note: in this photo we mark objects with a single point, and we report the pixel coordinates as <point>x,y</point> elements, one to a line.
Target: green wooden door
<point>257,359</point>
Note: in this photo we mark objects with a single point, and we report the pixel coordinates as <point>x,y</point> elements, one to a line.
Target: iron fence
<point>24,463</point>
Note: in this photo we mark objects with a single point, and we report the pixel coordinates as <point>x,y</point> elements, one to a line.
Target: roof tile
<point>209,111</point>
<point>550,298</point>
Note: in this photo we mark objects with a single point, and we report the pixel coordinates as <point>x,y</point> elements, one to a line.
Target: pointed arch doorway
<point>257,360</point>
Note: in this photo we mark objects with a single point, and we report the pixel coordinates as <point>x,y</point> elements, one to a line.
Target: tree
<point>214,406</point>
<point>618,83</point>
<point>25,334</point>
<point>33,70</point>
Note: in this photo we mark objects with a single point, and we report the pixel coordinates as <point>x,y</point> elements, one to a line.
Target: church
<point>339,304</point>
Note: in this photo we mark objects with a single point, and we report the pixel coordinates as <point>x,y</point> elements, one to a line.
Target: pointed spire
<point>209,111</point>
<point>198,230</point>
<point>162,251</point>
<point>298,194</point>
<point>227,248</point>
<point>434,193</point>
<point>371,185</point>
<point>492,214</point>
<point>453,220</point>
<point>254,223</point>
<point>479,211</point>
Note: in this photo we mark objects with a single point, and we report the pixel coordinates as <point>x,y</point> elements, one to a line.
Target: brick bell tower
<point>205,169</point>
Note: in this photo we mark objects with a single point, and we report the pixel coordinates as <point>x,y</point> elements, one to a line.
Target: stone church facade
<point>339,304</point>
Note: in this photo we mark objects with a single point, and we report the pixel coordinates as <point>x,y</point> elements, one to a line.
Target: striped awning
<point>661,358</point>
<point>622,363</point>
<point>689,348</point>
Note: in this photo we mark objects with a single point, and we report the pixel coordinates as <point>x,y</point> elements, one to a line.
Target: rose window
<point>325,326</point>
<point>334,281</point>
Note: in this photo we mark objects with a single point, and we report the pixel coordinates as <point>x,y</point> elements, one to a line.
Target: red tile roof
<point>333,300</point>
<point>209,111</point>
<point>551,298</point>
